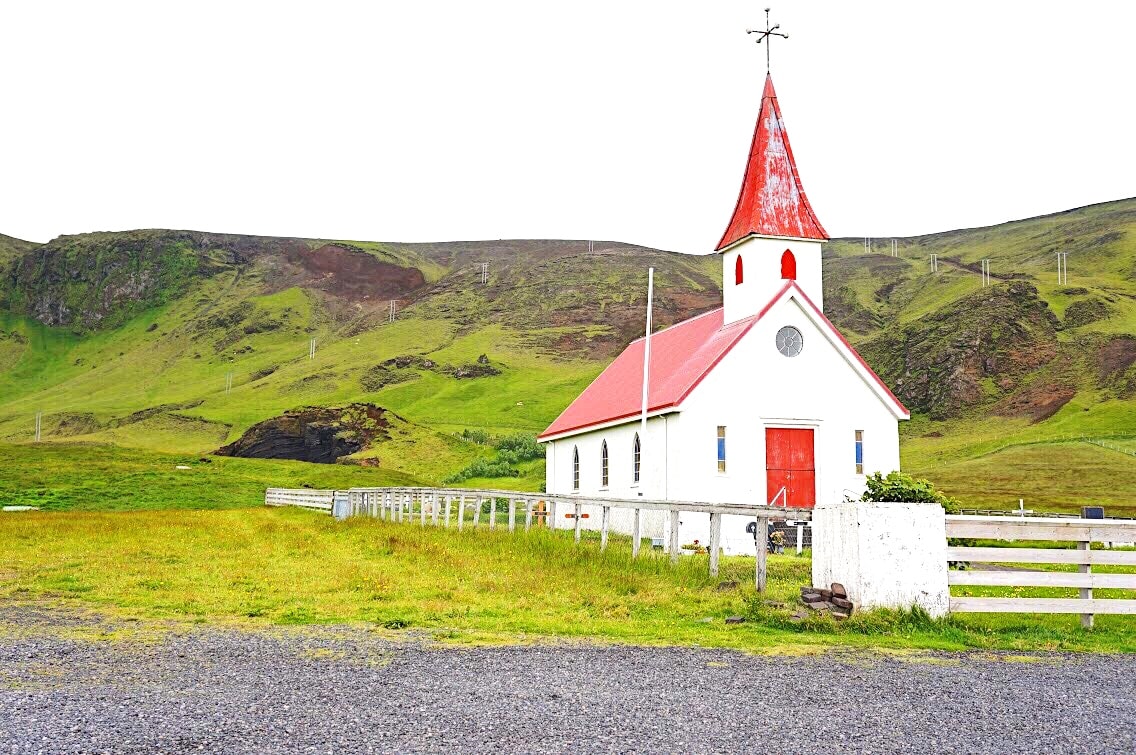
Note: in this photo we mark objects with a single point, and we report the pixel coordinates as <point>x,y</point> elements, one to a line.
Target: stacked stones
<point>834,600</point>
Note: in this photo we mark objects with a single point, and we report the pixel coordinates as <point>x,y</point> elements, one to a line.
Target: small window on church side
<point>575,468</point>
<point>635,454</point>
<point>721,448</point>
<point>859,452</point>
<point>738,271</point>
<point>603,465</point>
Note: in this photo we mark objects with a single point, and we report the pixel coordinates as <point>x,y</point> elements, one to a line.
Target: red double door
<point>789,465</point>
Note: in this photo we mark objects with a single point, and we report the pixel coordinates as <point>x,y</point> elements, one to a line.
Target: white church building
<point>761,401</point>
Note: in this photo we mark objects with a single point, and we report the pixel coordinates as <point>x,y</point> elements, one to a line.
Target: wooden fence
<point>320,500</point>
<point>461,507</point>
<point>1084,532</point>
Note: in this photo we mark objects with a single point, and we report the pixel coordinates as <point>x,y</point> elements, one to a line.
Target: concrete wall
<point>887,555</point>
<point>761,260</point>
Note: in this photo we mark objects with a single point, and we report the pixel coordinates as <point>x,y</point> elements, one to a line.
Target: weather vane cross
<point>766,33</point>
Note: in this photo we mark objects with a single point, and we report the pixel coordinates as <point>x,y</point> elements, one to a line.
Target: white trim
<point>633,418</point>
<point>749,236</point>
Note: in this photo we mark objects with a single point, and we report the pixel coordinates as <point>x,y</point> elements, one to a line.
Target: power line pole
<point>1063,268</point>
<point>393,310</point>
<point>39,425</point>
<point>484,273</point>
<point>934,263</point>
<point>867,245</point>
<point>312,349</point>
<point>228,382</point>
<point>985,272</point>
<point>894,248</point>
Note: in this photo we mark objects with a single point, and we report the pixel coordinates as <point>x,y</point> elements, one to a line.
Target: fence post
<point>636,533</point>
<point>528,513</point>
<point>492,512</point>
<point>576,525</point>
<point>448,499</point>
<point>1086,592</point>
<point>606,517</point>
<point>674,536</point>
<point>422,508</point>
<point>552,512</point>
<point>477,511</point>
<point>512,515</point>
<point>715,542</point>
<point>461,511</point>
<point>435,506</point>
<point>762,542</point>
<point>800,538</point>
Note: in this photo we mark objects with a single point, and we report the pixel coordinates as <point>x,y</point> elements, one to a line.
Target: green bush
<point>511,450</point>
<point>904,488</point>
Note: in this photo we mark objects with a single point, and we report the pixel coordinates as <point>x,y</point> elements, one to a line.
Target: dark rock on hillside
<point>1084,312</point>
<point>1117,366</point>
<point>317,434</point>
<point>969,352</point>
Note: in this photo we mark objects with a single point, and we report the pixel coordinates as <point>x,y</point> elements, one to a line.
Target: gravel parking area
<point>341,689</point>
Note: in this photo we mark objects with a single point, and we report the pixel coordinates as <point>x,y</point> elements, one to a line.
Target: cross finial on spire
<point>766,33</point>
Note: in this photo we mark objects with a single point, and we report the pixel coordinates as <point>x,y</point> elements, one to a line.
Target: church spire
<point>772,201</point>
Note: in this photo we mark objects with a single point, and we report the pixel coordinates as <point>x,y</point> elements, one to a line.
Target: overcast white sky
<point>422,121</point>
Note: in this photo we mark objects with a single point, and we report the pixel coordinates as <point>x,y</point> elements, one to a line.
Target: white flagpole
<point>646,378</point>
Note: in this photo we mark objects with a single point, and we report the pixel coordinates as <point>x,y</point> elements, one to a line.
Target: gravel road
<point>340,689</point>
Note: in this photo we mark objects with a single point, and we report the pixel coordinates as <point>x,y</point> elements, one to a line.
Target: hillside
<point>131,338</point>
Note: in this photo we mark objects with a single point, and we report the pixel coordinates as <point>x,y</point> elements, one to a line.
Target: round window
<point>790,341</point>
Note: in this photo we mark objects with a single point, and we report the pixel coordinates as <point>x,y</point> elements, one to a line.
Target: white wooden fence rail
<point>461,507</point>
<point>303,497</point>
<point>1082,531</point>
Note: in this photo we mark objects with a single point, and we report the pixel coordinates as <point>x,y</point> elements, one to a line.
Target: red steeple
<point>772,201</point>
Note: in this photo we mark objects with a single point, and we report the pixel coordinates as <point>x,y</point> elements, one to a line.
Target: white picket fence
<point>1084,532</point>
<point>461,507</point>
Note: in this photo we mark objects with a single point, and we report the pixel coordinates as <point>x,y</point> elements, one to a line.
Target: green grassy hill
<point>131,339</point>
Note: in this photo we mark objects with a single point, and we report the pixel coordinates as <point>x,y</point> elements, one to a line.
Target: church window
<point>636,451</point>
<point>721,448</point>
<point>788,266</point>
<point>738,271</point>
<point>603,464</point>
<point>575,468</point>
<point>859,452</point>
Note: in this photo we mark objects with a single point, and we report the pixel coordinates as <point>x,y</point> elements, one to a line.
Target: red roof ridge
<point>772,201</point>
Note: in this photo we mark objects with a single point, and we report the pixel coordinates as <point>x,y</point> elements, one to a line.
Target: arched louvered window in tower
<point>788,266</point>
<point>636,452</point>
<point>575,468</point>
<point>603,465</point>
<point>738,276</point>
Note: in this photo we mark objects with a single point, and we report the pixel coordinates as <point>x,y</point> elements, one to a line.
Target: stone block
<point>838,590</point>
<point>842,603</point>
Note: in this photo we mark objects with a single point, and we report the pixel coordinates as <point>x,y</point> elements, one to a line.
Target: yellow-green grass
<point>263,566</point>
<point>1057,477</point>
<point>91,477</point>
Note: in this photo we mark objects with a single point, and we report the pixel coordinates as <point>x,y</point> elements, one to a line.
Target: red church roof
<point>681,356</point>
<point>772,201</point>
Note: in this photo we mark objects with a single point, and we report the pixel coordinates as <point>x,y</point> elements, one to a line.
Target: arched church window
<point>575,468</point>
<point>738,271</point>
<point>603,464</point>
<point>788,266</point>
<point>636,451</point>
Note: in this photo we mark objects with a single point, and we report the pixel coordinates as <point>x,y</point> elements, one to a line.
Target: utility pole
<point>934,263</point>
<point>484,273</point>
<point>867,245</point>
<point>1063,268</point>
<point>393,310</point>
<point>39,425</point>
<point>894,248</point>
<point>985,272</point>
<point>312,349</point>
<point>228,382</point>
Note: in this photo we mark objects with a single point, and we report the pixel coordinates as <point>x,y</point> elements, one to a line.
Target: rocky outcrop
<point>314,433</point>
<point>967,353</point>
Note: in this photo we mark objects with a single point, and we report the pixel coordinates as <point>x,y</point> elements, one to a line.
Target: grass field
<point>258,567</point>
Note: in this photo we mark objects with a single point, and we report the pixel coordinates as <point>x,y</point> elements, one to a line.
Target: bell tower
<point>774,236</point>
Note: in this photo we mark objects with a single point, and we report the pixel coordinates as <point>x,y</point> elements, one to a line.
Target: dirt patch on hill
<point>314,433</point>
<point>351,273</point>
<point>1036,403</point>
<point>1116,356</point>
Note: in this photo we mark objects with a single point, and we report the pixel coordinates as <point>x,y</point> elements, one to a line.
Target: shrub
<point>904,488</point>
